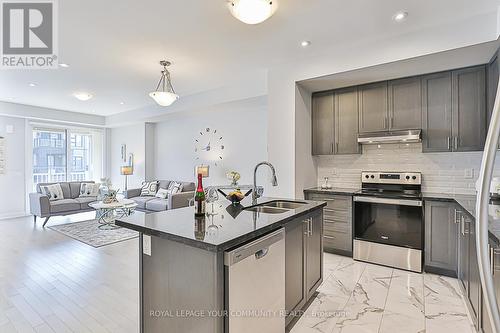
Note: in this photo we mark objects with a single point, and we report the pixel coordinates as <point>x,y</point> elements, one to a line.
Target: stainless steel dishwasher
<point>255,285</point>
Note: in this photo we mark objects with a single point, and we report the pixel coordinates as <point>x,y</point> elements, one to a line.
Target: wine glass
<point>212,195</point>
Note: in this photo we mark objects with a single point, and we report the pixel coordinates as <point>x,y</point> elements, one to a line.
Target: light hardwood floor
<point>52,283</point>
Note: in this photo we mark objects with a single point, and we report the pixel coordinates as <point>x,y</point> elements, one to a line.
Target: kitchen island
<point>184,282</point>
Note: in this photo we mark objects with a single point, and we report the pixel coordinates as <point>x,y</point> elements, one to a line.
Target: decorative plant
<point>233,176</point>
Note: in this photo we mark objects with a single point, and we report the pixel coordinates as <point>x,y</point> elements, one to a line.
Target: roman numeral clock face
<point>209,147</point>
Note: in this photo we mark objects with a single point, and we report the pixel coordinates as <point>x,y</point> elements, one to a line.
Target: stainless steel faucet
<point>255,195</point>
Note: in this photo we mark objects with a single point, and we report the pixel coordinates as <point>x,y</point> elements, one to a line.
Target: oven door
<point>389,221</point>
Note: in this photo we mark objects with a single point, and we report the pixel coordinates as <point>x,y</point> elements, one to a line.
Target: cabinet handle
<point>307,226</point>
<point>392,122</point>
<point>329,237</point>
<point>332,148</point>
<point>492,260</point>
<point>311,223</point>
<point>337,147</point>
<point>448,140</point>
<point>462,225</point>
<point>455,140</point>
<point>385,122</point>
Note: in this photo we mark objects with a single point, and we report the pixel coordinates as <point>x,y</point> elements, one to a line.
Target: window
<point>66,155</point>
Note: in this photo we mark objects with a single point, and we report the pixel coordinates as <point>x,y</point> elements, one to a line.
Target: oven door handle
<point>399,202</point>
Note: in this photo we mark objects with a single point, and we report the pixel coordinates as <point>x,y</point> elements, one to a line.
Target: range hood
<point>406,136</point>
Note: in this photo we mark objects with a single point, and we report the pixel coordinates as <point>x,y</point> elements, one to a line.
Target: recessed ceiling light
<point>64,65</point>
<point>305,43</point>
<point>122,103</point>
<point>32,84</point>
<point>400,16</point>
<point>83,96</point>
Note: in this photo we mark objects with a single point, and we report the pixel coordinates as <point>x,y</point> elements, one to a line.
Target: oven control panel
<point>414,178</point>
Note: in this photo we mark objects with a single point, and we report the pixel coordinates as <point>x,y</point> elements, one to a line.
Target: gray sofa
<point>153,204</point>
<point>41,206</point>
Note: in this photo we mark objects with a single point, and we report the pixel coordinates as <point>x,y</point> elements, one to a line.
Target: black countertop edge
<point>333,190</point>
<point>228,245</point>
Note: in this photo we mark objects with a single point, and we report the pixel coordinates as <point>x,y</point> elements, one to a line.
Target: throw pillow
<point>162,193</point>
<point>174,187</point>
<point>149,189</point>
<point>54,192</point>
<point>89,190</point>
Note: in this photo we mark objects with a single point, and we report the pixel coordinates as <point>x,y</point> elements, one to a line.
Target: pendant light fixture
<point>166,96</point>
<point>252,11</point>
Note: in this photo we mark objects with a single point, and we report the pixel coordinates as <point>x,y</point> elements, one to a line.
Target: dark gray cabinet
<point>314,259</point>
<point>346,121</point>
<point>436,112</point>
<point>337,222</point>
<point>322,124</point>
<point>468,269</point>
<point>469,108</point>
<point>493,74</point>
<point>474,279</point>
<point>303,260</point>
<point>405,104</point>
<point>295,261</point>
<point>495,264</point>
<point>373,115</point>
<point>441,232</point>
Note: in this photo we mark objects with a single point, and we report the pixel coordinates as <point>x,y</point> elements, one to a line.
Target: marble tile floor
<point>357,297</point>
<point>52,283</point>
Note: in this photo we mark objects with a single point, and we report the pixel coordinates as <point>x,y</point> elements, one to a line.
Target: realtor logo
<point>29,34</point>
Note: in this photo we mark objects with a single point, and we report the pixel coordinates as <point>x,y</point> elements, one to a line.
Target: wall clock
<point>209,146</point>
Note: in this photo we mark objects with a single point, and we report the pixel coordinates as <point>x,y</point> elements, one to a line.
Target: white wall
<point>242,124</point>
<point>134,137</point>
<point>12,183</point>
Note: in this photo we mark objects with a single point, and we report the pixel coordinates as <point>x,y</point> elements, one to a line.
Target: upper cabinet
<point>493,73</point>
<point>436,115</point>
<point>346,121</point>
<point>322,124</point>
<point>469,108</point>
<point>373,115</point>
<point>405,104</point>
<point>454,110</point>
<point>450,107</point>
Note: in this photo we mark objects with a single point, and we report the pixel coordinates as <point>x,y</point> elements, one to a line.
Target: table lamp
<point>204,170</point>
<point>126,171</point>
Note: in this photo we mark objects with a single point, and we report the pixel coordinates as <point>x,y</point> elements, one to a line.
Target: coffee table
<point>107,213</point>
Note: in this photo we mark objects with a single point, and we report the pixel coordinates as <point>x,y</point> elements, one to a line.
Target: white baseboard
<point>13,215</point>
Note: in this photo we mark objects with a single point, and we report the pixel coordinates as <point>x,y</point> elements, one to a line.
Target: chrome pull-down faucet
<point>255,195</point>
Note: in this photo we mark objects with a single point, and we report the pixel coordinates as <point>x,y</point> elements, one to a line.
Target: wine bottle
<point>199,198</point>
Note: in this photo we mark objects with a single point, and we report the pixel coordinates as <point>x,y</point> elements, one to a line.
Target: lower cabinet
<point>495,264</point>
<point>337,223</point>
<point>441,231</point>
<point>468,269</point>
<point>303,260</point>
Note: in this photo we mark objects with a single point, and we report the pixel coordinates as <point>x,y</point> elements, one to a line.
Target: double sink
<point>275,207</point>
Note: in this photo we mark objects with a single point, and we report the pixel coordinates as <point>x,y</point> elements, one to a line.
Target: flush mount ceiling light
<point>82,96</point>
<point>400,16</point>
<point>64,65</point>
<point>166,96</point>
<point>252,11</point>
<point>305,43</point>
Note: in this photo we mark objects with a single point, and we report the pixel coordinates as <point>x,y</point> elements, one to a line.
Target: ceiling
<point>113,47</point>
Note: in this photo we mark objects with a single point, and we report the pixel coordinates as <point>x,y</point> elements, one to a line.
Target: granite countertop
<point>333,190</point>
<point>468,203</point>
<point>230,227</point>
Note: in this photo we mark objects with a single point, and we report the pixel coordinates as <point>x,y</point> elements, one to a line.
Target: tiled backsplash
<point>441,172</point>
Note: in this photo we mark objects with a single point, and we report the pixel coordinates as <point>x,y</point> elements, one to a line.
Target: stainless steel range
<point>388,220</point>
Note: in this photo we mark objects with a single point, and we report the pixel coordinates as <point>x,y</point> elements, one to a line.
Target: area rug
<point>88,232</point>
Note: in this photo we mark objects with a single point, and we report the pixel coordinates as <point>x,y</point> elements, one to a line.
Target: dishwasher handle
<point>258,248</point>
